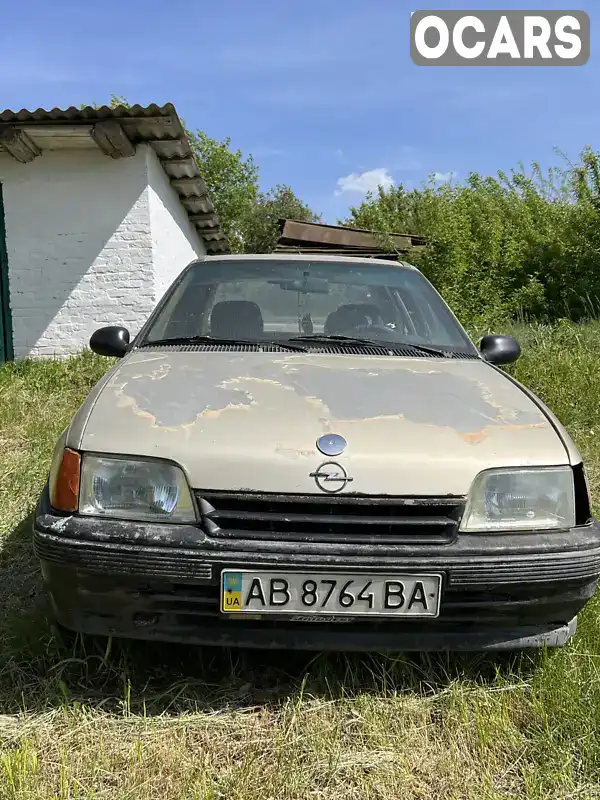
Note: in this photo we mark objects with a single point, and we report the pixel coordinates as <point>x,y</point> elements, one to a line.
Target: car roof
<point>384,262</point>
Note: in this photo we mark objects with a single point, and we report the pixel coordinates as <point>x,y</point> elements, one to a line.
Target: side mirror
<point>111,341</point>
<point>499,349</point>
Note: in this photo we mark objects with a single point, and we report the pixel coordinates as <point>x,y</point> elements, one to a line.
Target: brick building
<point>100,209</point>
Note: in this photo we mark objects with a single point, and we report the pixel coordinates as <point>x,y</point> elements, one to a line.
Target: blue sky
<point>320,92</point>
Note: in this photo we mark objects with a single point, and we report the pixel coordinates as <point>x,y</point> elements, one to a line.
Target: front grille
<point>314,518</point>
<point>184,565</point>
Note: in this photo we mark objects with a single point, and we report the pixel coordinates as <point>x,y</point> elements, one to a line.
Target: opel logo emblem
<point>331,444</point>
<point>331,477</point>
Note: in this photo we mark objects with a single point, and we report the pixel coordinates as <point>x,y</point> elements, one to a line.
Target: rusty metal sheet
<point>316,234</point>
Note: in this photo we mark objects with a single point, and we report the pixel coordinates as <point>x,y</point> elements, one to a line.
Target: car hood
<point>250,421</point>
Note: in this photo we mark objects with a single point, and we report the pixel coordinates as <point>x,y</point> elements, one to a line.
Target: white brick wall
<point>91,241</point>
<point>175,241</point>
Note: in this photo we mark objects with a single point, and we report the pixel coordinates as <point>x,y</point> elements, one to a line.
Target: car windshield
<point>291,300</point>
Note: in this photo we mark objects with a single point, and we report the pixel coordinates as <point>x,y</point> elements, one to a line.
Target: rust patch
<point>215,413</point>
<point>475,438</point>
<point>471,437</point>
<point>479,436</point>
<point>174,414</point>
<point>432,398</point>
<point>156,375</point>
<point>174,396</point>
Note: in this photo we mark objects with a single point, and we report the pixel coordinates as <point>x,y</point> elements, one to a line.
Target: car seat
<point>236,319</point>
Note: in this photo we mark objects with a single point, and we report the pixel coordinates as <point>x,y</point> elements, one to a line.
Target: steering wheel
<point>351,319</point>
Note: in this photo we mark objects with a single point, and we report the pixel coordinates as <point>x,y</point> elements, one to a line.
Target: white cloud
<point>363,182</point>
<point>444,177</point>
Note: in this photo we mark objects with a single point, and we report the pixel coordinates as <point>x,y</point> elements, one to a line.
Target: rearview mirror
<point>499,349</point>
<point>111,341</point>
<point>305,286</point>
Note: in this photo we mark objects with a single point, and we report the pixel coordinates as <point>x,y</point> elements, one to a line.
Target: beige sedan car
<point>310,452</point>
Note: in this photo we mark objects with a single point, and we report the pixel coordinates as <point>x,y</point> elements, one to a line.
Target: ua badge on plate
<point>231,594</point>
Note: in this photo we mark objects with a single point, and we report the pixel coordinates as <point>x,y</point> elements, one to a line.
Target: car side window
<point>184,312</point>
<point>424,324</point>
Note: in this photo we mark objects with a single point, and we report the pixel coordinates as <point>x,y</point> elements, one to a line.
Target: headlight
<point>521,499</point>
<point>134,489</point>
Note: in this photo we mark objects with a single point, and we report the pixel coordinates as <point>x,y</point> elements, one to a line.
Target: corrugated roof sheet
<point>159,127</point>
<point>323,231</point>
<point>315,237</point>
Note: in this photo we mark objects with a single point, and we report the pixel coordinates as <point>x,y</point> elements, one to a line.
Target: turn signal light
<point>64,489</point>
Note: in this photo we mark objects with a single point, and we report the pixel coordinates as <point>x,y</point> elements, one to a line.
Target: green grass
<point>146,721</point>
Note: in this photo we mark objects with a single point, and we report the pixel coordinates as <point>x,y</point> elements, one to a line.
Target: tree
<point>519,244</point>
<point>232,181</point>
<point>261,225</point>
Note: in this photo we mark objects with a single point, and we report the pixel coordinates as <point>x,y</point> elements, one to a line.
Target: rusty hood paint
<point>250,421</point>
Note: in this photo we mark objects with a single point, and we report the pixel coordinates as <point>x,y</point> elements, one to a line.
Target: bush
<point>513,246</point>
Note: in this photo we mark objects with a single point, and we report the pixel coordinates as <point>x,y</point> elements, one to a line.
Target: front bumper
<point>154,581</point>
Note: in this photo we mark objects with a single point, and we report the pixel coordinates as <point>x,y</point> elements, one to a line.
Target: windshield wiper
<point>350,340</point>
<point>220,340</point>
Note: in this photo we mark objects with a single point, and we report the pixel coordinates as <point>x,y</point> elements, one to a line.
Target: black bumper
<point>152,581</point>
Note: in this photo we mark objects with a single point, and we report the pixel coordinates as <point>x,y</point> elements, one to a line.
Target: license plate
<point>256,592</point>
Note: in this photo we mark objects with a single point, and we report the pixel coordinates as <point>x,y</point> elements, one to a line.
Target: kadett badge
<point>331,477</point>
<point>232,591</point>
